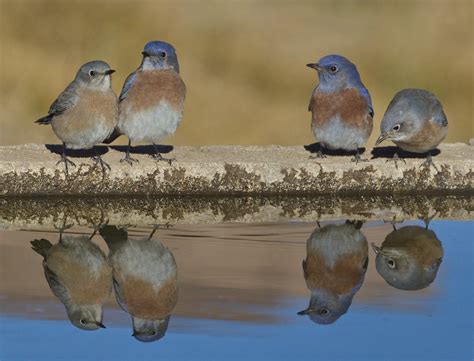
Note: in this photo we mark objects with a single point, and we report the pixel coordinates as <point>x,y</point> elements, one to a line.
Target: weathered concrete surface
<point>49,212</point>
<point>31,170</point>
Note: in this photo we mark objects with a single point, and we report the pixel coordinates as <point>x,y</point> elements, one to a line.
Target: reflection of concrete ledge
<point>28,213</point>
<point>31,170</point>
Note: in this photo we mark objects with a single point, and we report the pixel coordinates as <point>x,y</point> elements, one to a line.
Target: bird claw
<point>99,161</point>
<point>158,157</point>
<point>396,159</point>
<point>129,160</point>
<point>357,158</point>
<point>429,163</point>
<point>318,155</point>
<point>66,161</point>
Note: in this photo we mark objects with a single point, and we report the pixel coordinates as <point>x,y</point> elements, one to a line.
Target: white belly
<point>150,125</point>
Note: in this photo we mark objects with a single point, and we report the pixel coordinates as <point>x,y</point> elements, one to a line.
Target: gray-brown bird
<point>334,269</point>
<point>86,112</point>
<point>409,257</point>
<point>145,281</point>
<point>79,274</point>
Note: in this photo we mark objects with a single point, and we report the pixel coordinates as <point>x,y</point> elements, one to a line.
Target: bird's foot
<point>318,155</point>
<point>103,164</point>
<point>66,162</point>
<point>429,163</point>
<point>396,159</point>
<point>159,158</point>
<point>357,158</point>
<point>129,160</point>
<point>167,225</point>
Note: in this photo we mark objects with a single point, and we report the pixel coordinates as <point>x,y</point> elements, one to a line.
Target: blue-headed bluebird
<point>409,257</point>
<point>341,107</point>
<point>334,269</point>
<point>145,281</point>
<point>152,99</point>
<point>415,122</point>
<point>86,112</point>
<point>79,275</point>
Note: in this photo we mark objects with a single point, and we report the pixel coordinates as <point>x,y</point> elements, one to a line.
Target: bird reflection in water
<point>334,269</point>
<point>409,257</point>
<point>145,281</point>
<point>79,275</point>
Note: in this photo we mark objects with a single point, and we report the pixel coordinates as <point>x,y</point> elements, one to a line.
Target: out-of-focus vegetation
<point>243,61</point>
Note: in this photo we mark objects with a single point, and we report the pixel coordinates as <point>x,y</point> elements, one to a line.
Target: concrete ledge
<point>46,212</point>
<point>31,170</point>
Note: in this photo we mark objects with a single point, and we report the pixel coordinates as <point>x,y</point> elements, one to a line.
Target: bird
<point>341,107</point>
<point>415,121</point>
<point>151,103</point>
<point>86,112</point>
<point>145,281</point>
<point>409,257</point>
<point>334,269</point>
<point>79,275</point>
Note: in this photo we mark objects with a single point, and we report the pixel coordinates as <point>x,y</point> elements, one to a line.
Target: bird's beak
<point>100,324</point>
<point>315,66</point>
<point>383,137</point>
<point>305,312</point>
<point>110,71</point>
<point>375,248</point>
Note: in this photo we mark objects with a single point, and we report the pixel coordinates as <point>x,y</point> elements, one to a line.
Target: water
<point>241,285</point>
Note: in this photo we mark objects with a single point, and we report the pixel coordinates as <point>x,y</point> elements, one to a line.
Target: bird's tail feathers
<point>41,246</point>
<point>45,120</point>
<point>115,134</point>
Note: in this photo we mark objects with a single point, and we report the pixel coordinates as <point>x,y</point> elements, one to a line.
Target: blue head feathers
<point>158,55</point>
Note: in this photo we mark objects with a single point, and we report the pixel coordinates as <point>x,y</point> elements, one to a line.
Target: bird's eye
<point>83,322</point>
<point>92,73</point>
<point>391,263</point>
<point>323,311</point>
<point>396,127</point>
<point>333,68</point>
<point>163,54</point>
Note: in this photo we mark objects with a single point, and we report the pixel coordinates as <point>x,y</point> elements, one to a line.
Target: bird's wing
<point>57,287</point>
<point>365,93</point>
<point>311,100</point>
<point>119,296</point>
<point>127,86</point>
<point>66,100</point>
<point>441,119</point>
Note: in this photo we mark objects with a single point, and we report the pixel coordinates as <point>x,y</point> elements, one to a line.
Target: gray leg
<point>98,160</point>
<point>127,157</point>
<point>158,157</point>
<point>64,159</point>
<point>396,159</point>
<point>429,163</point>
<point>357,157</point>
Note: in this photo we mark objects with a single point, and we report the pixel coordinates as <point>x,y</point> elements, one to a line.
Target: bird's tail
<point>115,134</point>
<point>41,246</point>
<point>356,224</point>
<point>45,120</point>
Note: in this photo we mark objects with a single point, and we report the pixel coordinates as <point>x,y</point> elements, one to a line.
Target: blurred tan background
<point>243,61</point>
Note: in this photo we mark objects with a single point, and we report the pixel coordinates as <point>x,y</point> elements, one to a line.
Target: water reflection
<point>79,275</point>
<point>145,281</point>
<point>334,269</point>
<point>409,257</point>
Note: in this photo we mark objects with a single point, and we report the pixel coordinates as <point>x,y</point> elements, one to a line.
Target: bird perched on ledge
<point>86,112</point>
<point>152,99</point>
<point>341,107</point>
<point>415,122</point>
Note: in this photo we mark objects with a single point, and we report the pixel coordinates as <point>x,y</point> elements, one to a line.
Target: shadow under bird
<point>415,122</point>
<point>151,103</point>
<point>79,275</point>
<point>334,270</point>
<point>145,281</point>
<point>409,257</point>
<point>86,112</point>
<point>342,112</point>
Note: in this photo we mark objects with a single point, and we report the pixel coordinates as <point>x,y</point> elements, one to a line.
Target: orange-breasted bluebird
<point>409,257</point>
<point>415,122</point>
<point>152,99</point>
<point>86,112</point>
<point>145,281</point>
<point>334,269</point>
<point>79,274</point>
<point>341,107</point>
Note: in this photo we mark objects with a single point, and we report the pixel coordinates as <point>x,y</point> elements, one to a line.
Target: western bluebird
<point>334,269</point>
<point>414,121</point>
<point>86,112</point>
<point>79,274</point>
<point>409,257</point>
<point>145,281</point>
<point>152,99</point>
<point>341,107</point>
